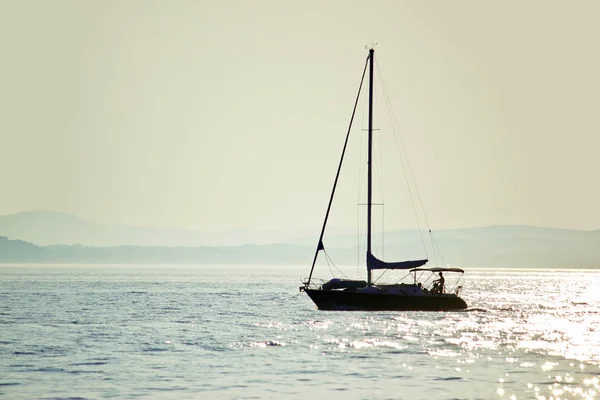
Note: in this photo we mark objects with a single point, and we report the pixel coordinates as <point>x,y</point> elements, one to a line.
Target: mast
<point>369,162</point>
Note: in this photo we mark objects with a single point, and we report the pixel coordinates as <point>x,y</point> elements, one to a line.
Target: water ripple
<point>246,332</point>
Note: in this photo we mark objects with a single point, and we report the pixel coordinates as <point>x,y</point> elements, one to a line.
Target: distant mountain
<point>500,246</point>
<point>478,251</point>
<point>18,251</point>
<point>49,227</point>
<point>486,233</point>
<point>66,238</point>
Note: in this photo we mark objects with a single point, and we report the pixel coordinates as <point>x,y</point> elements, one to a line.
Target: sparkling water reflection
<point>246,332</point>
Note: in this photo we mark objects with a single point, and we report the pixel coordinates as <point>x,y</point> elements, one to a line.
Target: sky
<point>221,115</point>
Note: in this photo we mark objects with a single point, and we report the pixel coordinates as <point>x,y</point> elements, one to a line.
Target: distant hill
<point>49,227</point>
<point>470,251</point>
<point>18,251</point>
<point>494,246</point>
<point>485,233</point>
<point>51,237</point>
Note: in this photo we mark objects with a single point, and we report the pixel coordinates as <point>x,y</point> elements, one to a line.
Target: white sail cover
<point>374,263</point>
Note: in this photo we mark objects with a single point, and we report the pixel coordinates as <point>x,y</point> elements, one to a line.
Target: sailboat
<point>347,294</point>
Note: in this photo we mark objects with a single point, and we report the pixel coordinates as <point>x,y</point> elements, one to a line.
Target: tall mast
<point>370,159</point>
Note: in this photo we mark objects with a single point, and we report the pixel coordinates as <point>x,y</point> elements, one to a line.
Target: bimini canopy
<point>438,269</point>
<point>374,263</point>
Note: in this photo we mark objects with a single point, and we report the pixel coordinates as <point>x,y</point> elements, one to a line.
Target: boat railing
<point>315,283</point>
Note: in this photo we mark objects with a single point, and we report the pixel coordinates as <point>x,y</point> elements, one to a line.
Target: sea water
<point>204,332</point>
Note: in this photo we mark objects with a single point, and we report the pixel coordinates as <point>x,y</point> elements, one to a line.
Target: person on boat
<point>438,284</point>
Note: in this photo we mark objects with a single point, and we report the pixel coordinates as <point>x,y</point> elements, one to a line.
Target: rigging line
<point>403,278</point>
<point>330,260</point>
<point>362,156</point>
<point>380,169</point>
<point>395,121</point>
<point>378,166</point>
<point>456,284</point>
<point>433,247</point>
<point>380,276</point>
<point>395,125</point>
<point>380,177</point>
<point>357,237</point>
<point>337,175</point>
<point>410,191</point>
<point>359,218</point>
<point>328,264</point>
<point>396,137</point>
<point>437,247</point>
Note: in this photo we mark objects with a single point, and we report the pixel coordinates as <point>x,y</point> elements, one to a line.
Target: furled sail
<point>374,263</point>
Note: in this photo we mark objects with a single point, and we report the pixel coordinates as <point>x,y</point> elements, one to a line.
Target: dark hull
<point>348,300</point>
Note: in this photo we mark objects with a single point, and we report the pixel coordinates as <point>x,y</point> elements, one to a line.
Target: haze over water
<point>223,116</point>
<point>246,332</point>
<point>212,116</point>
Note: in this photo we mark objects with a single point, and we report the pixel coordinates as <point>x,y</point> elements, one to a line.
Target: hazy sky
<point>218,115</point>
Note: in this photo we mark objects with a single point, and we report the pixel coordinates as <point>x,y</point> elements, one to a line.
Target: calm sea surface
<point>186,332</point>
